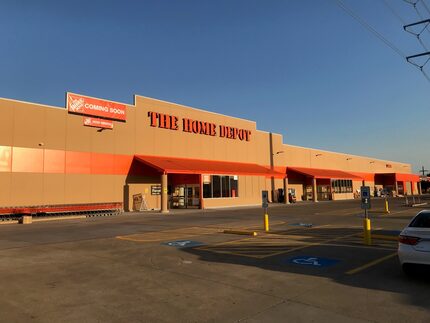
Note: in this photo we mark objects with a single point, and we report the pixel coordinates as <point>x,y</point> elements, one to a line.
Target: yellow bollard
<point>386,206</point>
<point>367,232</point>
<point>266,222</point>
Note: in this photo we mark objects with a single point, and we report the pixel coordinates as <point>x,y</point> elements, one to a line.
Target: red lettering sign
<point>234,133</point>
<point>99,123</point>
<point>95,107</point>
<point>166,121</point>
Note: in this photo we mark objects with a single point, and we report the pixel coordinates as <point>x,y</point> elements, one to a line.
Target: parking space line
<point>358,246</point>
<point>173,234</point>
<point>261,243</point>
<point>370,264</point>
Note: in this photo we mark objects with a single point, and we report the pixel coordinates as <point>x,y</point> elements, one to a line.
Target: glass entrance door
<point>193,196</point>
<point>323,192</point>
<point>186,196</point>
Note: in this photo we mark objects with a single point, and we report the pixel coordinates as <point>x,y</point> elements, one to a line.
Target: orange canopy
<point>200,166</point>
<point>407,177</point>
<point>400,177</point>
<point>323,173</point>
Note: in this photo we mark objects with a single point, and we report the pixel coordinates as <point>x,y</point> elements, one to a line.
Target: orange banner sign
<point>95,107</point>
<point>99,123</point>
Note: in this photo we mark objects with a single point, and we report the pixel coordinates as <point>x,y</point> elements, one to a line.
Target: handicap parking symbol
<point>183,243</point>
<point>312,261</point>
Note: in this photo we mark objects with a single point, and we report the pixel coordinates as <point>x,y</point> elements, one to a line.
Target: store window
<point>215,186</point>
<point>341,185</point>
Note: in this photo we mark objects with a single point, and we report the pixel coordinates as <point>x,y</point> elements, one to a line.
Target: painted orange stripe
<point>27,160</point>
<point>54,161</point>
<point>5,159</point>
<point>51,161</point>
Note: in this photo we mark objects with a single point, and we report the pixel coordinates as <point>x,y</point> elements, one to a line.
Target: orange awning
<point>323,173</point>
<point>369,177</point>
<point>407,177</point>
<point>401,177</point>
<point>200,166</point>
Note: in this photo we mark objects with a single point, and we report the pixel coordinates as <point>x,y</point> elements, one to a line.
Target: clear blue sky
<point>301,68</point>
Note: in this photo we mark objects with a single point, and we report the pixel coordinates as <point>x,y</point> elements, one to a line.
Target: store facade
<point>172,156</point>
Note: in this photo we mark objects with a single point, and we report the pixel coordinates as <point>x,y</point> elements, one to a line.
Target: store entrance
<point>186,196</point>
<point>324,192</point>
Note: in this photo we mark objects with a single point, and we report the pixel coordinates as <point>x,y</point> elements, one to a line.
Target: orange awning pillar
<point>396,186</point>
<point>286,197</point>
<point>419,188</point>
<point>164,196</point>
<point>314,189</point>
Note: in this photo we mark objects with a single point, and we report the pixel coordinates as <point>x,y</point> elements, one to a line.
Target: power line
<point>394,12</point>
<point>425,6</point>
<point>360,20</point>
<point>414,4</point>
<point>387,4</point>
<point>426,23</point>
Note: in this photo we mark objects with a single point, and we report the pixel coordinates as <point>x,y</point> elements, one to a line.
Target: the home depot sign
<point>166,121</point>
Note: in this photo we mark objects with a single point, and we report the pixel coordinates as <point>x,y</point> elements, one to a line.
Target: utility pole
<point>423,171</point>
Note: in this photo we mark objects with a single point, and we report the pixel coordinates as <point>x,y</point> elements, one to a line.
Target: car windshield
<point>422,220</point>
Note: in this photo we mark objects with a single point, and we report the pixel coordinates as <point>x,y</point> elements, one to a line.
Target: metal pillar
<point>396,187</point>
<point>164,196</point>
<point>286,197</point>
<point>314,190</point>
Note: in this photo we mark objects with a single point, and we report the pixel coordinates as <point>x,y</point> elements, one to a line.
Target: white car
<point>414,242</point>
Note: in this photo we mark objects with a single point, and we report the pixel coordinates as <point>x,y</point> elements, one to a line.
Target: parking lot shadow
<point>334,253</point>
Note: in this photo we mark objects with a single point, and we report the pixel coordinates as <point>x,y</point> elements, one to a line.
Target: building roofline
<point>197,109</point>
<point>352,155</point>
<point>27,102</point>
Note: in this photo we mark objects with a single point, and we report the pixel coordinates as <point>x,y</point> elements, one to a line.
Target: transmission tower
<point>416,29</point>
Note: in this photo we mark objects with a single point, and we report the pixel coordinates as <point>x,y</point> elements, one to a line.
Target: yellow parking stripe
<point>168,234</point>
<point>370,264</point>
<point>254,246</point>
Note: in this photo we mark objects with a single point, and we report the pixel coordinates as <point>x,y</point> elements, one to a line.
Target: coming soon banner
<point>80,104</point>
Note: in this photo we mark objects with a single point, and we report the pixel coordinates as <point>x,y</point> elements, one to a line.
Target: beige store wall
<point>177,143</point>
<point>27,125</point>
<point>315,158</point>
<point>43,127</point>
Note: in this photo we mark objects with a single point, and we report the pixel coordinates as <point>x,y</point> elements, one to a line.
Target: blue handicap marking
<point>183,243</point>
<point>312,261</point>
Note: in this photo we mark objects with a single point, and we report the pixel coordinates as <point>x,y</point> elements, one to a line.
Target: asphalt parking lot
<point>181,267</point>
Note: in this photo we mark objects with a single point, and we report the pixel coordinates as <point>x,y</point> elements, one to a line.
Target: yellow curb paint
<point>370,264</point>
<point>246,233</point>
<point>9,222</point>
<point>59,218</point>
